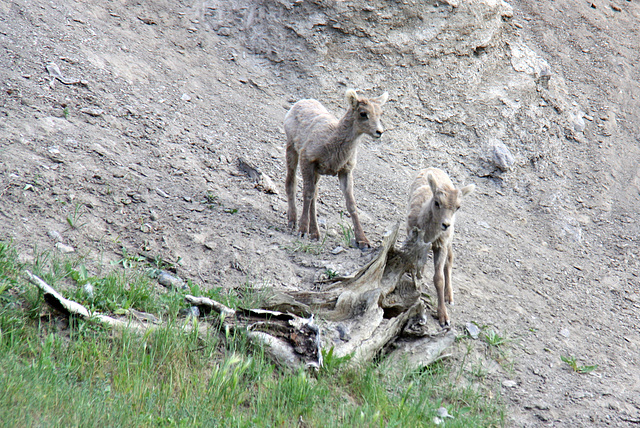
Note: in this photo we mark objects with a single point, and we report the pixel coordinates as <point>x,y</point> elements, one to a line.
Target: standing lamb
<point>325,145</point>
<point>433,202</point>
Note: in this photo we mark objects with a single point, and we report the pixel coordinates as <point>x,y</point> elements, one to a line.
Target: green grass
<point>304,246</point>
<point>73,219</point>
<point>347,234</point>
<point>56,373</point>
<point>573,363</point>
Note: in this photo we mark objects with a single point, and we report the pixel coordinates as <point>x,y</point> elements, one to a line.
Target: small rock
<point>54,154</point>
<point>55,235</point>
<point>167,280</point>
<point>509,384</point>
<point>337,250</point>
<point>88,290</point>
<point>191,312</point>
<point>578,121</point>
<point>342,332</point>
<point>92,111</point>
<point>473,330</point>
<point>162,193</point>
<point>63,248</point>
<point>444,413</point>
<point>185,97</point>
<point>565,332</point>
<point>501,156</point>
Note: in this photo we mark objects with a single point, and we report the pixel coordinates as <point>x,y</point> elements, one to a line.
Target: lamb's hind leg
<point>346,185</point>
<point>291,184</point>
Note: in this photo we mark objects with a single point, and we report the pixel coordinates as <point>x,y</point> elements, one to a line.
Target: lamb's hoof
<point>445,324</point>
<point>292,225</point>
<point>364,245</point>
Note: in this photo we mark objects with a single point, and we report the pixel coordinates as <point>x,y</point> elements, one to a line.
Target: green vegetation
<point>493,338</point>
<point>73,219</point>
<point>573,363</point>
<point>305,246</point>
<point>347,234</point>
<point>77,373</point>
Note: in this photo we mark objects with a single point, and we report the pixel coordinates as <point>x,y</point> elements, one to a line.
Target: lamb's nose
<point>445,226</point>
<point>379,133</point>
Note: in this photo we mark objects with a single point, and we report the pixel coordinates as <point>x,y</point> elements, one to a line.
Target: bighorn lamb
<point>433,202</point>
<point>324,145</point>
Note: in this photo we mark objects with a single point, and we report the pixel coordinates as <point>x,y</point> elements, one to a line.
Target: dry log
<point>290,340</point>
<point>69,307</point>
<point>376,312</point>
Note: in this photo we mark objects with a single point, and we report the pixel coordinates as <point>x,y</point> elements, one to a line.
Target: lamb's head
<point>445,202</point>
<point>367,113</point>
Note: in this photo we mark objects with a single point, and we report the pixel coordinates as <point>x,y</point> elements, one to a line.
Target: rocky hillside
<point>156,128</point>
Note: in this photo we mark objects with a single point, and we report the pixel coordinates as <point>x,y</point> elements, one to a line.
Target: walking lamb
<point>433,202</point>
<point>324,145</point>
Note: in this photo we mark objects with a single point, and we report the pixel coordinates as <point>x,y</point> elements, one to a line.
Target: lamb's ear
<point>432,183</point>
<point>352,97</point>
<point>382,98</point>
<point>468,189</point>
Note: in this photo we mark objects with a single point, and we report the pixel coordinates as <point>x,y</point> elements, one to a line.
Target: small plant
<point>74,218</point>
<point>347,232</point>
<point>573,363</point>
<point>492,338</point>
<point>331,363</point>
<point>330,273</point>
<point>211,200</point>
<point>129,260</point>
<point>314,248</point>
<point>65,112</point>
<point>9,266</point>
<point>34,183</point>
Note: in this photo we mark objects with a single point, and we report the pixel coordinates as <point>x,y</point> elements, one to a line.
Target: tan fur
<point>433,202</point>
<point>324,145</point>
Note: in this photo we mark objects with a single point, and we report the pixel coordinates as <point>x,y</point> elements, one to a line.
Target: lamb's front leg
<point>308,193</point>
<point>346,185</point>
<point>448,266</point>
<point>291,184</point>
<point>439,257</point>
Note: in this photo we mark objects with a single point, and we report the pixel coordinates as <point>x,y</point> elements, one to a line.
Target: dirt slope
<point>139,150</point>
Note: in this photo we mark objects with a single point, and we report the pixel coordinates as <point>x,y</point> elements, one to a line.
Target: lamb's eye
<point>364,115</point>
<point>437,204</point>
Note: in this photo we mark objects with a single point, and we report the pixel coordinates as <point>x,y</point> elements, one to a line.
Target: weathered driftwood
<point>290,340</point>
<point>69,307</point>
<point>376,312</point>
